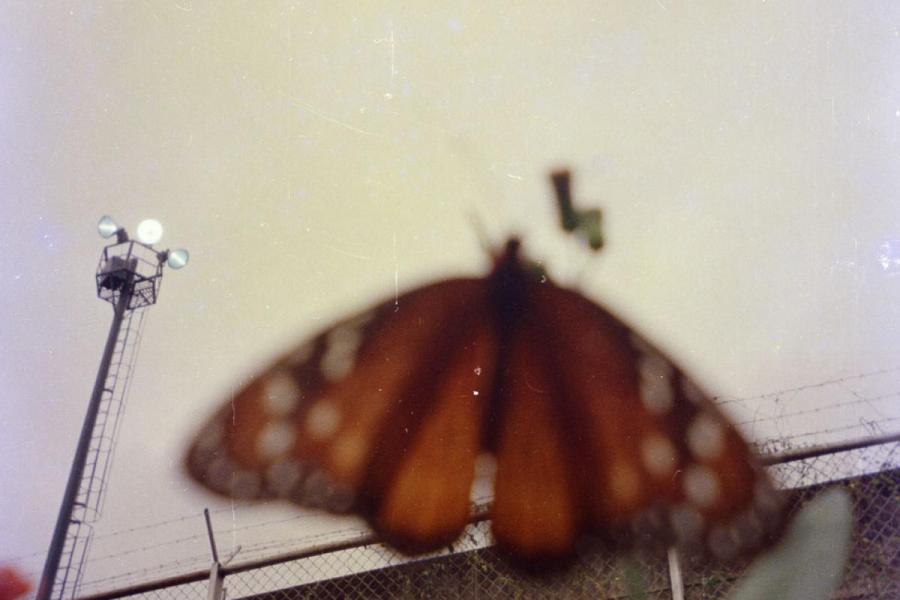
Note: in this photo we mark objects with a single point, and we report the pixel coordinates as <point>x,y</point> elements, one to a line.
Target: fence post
<point>216,581</point>
<point>675,580</point>
<point>216,578</point>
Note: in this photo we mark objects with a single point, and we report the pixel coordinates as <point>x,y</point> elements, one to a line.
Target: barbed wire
<point>722,401</point>
<point>871,427</point>
<point>191,517</point>
<point>820,409</point>
<point>204,559</point>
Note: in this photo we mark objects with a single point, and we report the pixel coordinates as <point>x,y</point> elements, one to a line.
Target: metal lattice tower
<point>128,276</point>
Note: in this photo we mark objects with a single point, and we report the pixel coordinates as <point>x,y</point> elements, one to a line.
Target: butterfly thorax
<point>508,286</point>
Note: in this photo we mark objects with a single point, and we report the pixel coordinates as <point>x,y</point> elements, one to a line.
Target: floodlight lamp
<point>106,227</point>
<point>177,258</point>
<point>149,231</point>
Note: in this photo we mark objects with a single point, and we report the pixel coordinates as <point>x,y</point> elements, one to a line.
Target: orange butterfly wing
<point>536,511</point>
<point>396,441</point>
<point>653,454</point>
<point>424,499</point>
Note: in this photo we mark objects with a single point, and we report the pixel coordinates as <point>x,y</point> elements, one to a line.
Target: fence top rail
<point>815,451</point>
<point>479,513</point>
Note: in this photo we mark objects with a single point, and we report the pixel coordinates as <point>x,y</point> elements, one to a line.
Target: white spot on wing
<point>655,380</point>
<point>275,439</point>
<point>281,394</point>
<point>322,420</point>
<point>341,346</point>
<point>301,354</point>
<point>659,455</point>
<point>706,437</point>
<point>701,486</point>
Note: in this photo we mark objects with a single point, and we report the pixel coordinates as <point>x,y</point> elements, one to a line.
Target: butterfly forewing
<point>664,460</point>
<point>309,427</point>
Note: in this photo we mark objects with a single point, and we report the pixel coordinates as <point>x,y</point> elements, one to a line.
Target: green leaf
<point>589,227</point>
<point>809,561</point>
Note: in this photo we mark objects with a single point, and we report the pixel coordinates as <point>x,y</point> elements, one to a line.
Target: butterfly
<point>592,428</point>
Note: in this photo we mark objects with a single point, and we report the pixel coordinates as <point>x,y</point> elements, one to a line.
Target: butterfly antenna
<point>484,239</point>
<point>470,160</point>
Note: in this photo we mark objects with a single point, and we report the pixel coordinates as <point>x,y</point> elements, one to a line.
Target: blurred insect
<point>592,428</point>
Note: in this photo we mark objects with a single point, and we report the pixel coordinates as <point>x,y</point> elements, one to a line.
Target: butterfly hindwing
<point>423,502</point>
<point>536,512</point>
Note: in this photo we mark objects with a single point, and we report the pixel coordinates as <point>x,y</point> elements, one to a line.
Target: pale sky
<point>315,159</point>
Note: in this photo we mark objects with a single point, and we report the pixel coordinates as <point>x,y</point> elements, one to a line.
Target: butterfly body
<point>592,428</point>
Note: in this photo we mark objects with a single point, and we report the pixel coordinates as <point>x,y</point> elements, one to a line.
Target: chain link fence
<point>362,568</point>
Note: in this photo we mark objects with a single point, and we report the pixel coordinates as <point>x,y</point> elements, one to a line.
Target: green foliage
<point>809,561</point>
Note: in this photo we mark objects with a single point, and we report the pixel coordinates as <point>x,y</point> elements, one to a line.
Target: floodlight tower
<point>128,277</point>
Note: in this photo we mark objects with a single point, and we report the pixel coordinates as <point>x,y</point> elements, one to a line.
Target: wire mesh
<point>473,568</point>
<point>465,573</point>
